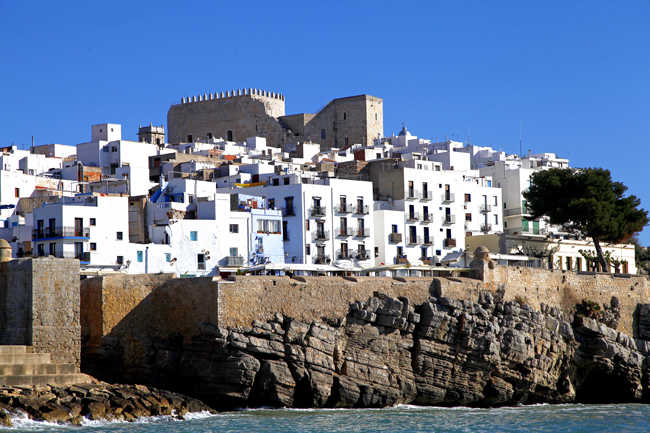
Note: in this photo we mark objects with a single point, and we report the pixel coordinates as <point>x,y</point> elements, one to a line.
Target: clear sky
<point>575,74</point>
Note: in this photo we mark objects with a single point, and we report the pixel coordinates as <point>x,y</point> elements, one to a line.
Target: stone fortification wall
<point>251,298</point>
<point>245,112</point>
<point>39,305</point>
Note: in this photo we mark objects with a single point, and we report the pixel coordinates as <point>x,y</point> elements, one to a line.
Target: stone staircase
<point>19,366</point>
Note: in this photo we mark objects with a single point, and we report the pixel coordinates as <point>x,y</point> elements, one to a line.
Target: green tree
<point>588,202</point>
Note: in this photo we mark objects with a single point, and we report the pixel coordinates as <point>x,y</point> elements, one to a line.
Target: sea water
<point>538,418</point>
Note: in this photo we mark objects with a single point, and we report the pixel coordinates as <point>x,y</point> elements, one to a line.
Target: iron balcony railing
<point>412,194</point>
<point>412,216</point>
<point>486,208</point>
<point>362,255</point>
<point>321,235</point>
<point>515,211</point>
<point>60,232</point>
<point>361,210</point>
<point>322,260</point>
<point>343,232</point>
<point>426,196</point>
<point>234,261</point>
<point>450,243</point>
<point>428,261</point>
<point>363,233</point>
<point>344,208</point>
<point>448,198</point>
<point>486,227</point>
<point>343,255</point>
<point>395,237</point>
<point>414,240</point>
<point>317,211</point>
<point>427,217</point>
<point>427,240</point>
<point>448,220</point>
<point>399,260</point>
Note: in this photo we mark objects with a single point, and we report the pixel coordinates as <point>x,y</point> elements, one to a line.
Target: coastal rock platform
<point>95,401</point>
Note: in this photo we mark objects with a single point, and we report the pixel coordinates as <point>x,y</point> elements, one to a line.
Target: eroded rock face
<point>388,351</point>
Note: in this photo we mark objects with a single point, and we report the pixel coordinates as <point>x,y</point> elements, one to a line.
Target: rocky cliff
<point>388,351</point>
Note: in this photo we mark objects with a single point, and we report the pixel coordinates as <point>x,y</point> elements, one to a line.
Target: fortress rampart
<point>160,305</point>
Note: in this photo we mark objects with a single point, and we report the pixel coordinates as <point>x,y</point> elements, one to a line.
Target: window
<point>569,263</point>
<point>194,235</point>
<point>93,246</point>
<point>276,181</point>
<point>496,200</point>
<point>345,140</point>
<point>53,249</point>
<point>200,261</point>
<point>229,135</point>
<point>17,192</point>
<point>322,134</point>
<point>285,232</point>
<point>140,256</point>
<point>234,252</point>
<point>268,226</point>
<point>393,228</point>
<point>113,149</point>
<point>438,252</point>
<point>189,138</point>
<point>286,180</point>
<point>209,135</point>
<point>468,216</point>
<point>496,219</point>
<point>93,221</point>
<point>119,260</point>
<point>468,197</point>
<point>271,203</point>
<point>306,225</point>
<point>168,257</point>
<point>234,228</point>
<point>345,116</point>
<point>400,251</point>
<point>524,225</point>
<point>119,236</point>
<point>307,250</point>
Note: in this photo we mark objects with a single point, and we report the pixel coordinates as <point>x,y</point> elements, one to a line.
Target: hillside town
<point>234,185</point>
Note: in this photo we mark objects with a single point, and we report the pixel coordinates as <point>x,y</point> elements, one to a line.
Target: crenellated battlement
<point>231,94</point>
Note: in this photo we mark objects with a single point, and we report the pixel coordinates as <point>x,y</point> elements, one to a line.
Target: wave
<point>21,421</point>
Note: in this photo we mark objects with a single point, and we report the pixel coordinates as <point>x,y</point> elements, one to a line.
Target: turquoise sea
<point>539,418</point>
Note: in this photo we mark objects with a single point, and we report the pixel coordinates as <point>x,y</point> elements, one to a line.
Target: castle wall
<point>40,306</point>
<point>245,115</point>
<point>359,118</point>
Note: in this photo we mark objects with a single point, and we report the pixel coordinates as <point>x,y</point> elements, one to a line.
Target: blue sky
<point>576,76</point>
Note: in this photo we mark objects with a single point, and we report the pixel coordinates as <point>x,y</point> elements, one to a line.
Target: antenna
<point>521,139</point>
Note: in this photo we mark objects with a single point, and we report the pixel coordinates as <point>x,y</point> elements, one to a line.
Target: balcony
<point>361,210</point>
<point>321,236</point>
<point>428,261</point>
<point>515,211</point>
<point>362,255</point>
<point>449,243</point>
<point>448,220</point>
<point>394,238</point>
<point>234,261</point>
<point>363,233</point>
<point>61,232</point>
<point>447,198</point>
<point>427,218</point>
<point>343,232</point>
<point>322,260</point>
<point>411,194</point>
<point>317,211</point>
<point>426,196</point>
<point>414,240</point>
<point>486,208</point>
<point>412,217</point>
<point>344,208</point>
<point>486,227</point>
<point>288,211</point>
<point>401,260</point>
<point>343,255</point>
<point>427,241</point>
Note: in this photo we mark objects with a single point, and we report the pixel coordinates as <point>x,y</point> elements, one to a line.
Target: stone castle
<point>241,113</point>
